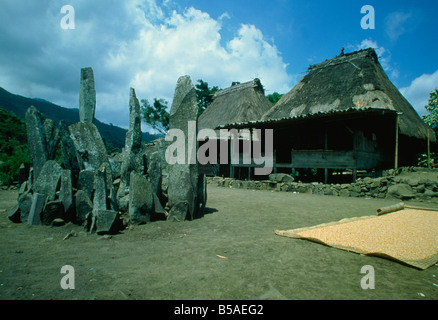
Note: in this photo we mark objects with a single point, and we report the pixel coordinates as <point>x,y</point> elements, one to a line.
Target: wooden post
<point>275,160</point>
<point>396,142</point>
<point>325,149</point>
<point>292,162</point>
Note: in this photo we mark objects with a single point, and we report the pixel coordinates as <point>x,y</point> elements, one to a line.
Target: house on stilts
<point>344,115</point>
<point>240,103</point>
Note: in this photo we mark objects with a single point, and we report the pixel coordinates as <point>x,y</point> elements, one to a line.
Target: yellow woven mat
<point>408,236</point>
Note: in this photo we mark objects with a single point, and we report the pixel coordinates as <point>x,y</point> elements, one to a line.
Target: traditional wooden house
<point>344,114</point>
<point>239,103</point>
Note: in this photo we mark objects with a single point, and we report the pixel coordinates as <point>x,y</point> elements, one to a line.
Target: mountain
<point>18,105</point>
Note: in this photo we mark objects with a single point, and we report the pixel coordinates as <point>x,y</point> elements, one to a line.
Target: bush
<point>13,147</point>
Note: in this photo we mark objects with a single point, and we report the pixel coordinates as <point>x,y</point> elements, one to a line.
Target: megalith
<point>68,151</point>
<point>52,138</point>
<point>36,138</point>
<point>90,149</point>
<point>141,199</point>
<point>132,144</point>
<point>66,194</point>
<point>87,96</point>
<point>49,180</point>
<point>183,177</point>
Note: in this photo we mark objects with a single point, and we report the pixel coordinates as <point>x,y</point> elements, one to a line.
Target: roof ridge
<point>255,83</point>
<point>343,58</point>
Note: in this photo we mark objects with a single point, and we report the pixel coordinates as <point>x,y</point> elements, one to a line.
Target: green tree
<point>432,118</point>
<point>274,97</point>
<point>204,95</point>
<point>13,146</point>
<point>156,115</point>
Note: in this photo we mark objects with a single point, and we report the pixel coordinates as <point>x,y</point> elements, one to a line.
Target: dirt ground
<point>231,253</point>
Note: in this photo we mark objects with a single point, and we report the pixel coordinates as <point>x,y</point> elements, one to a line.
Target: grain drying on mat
<point>407,234</point>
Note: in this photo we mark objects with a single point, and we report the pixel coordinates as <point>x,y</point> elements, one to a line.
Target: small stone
<point>58,222</point>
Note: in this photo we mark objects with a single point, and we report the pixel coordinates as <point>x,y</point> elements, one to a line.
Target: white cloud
<point>395,24</point>
<point>418,92</point>
<point>190,43</point>
<point>384,57</point>
<point>143,44</point>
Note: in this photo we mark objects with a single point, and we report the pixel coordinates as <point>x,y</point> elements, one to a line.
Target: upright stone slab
<point>141,201</point>
<point>68,151</point>
<point>87,96</point>
<point>134,131</point>
<point>90,149</point>
<point>66,194</point>
<point>183,178</point>
<point>86,181</point>
<point>132,140</point>
<point>25,204</point>
<point>52,138</point>
<point>105,222</point>
<point>153,166</point>
<point>48,182</point>
<point>83,206</point>
<point>36,138</point>
<point>100,189</point>
<point>36,210</point>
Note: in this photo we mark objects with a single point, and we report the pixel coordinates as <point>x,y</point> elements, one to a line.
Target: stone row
<point>391,185</point>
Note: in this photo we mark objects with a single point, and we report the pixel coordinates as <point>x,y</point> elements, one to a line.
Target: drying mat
<point>409,236</point>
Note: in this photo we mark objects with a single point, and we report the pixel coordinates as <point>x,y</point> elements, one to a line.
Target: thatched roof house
<point>350,82</point>
<point>344,114</point>
<point>239,103</point>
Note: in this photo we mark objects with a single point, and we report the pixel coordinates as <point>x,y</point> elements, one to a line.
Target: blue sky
<point>148,44</point>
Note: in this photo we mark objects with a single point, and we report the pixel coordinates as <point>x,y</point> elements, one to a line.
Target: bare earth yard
<point>231,253</point>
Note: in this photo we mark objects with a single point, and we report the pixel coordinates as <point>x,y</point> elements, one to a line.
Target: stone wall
<point>411,183</point>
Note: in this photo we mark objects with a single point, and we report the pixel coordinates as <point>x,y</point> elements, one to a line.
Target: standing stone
<point>141,201</point>
<point>36,138</point>
<point>90,149</point>
<point>52,138</point>
<point>183,178</point>
<point>83,206</point>
<point>132,144</point>
<point>100,189</point>
<point>48,182</point>
<point>133,136</point>
<point>68,151</point>
<point>25,204</point>
<point>66,194</point>
<point>153,166</point>
<point>87,96</point>
<point>105,222</point>
<point>36,210</point>
<point>86,181</point>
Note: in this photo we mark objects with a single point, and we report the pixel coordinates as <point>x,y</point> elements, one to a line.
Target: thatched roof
<point>239,103</point>
<point>350,82</point>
